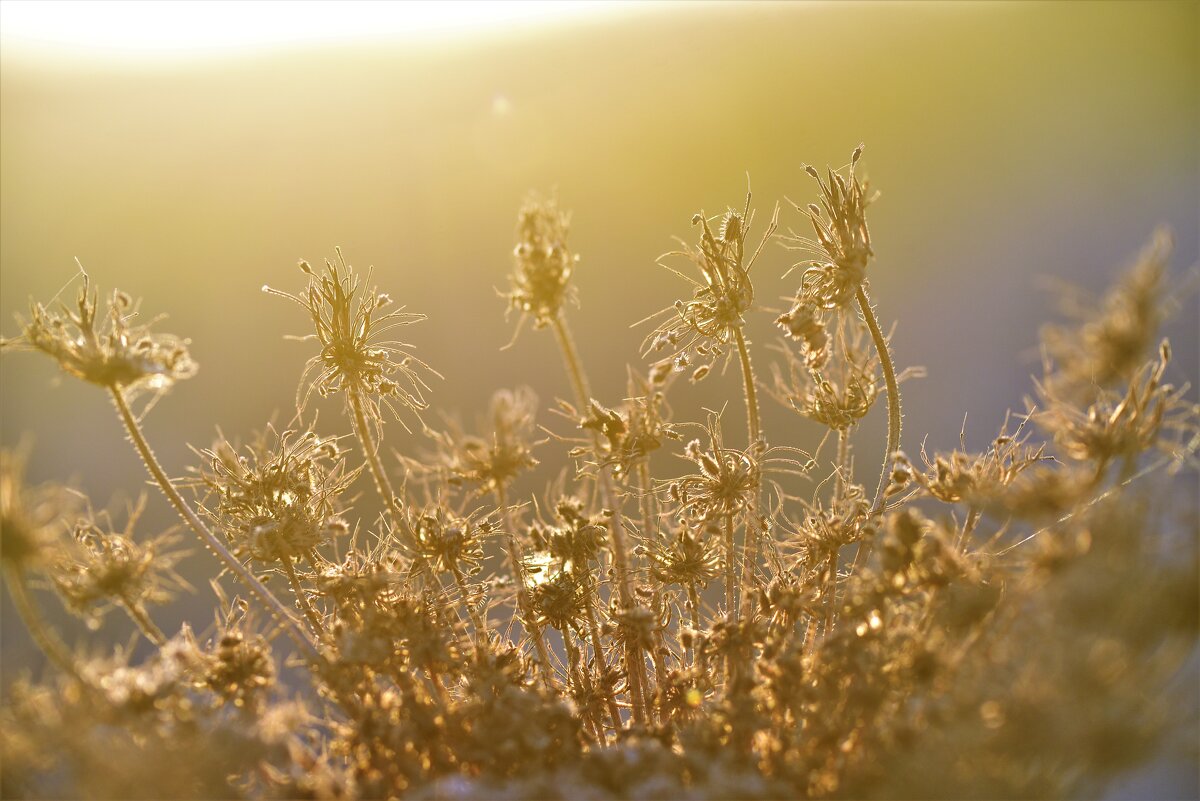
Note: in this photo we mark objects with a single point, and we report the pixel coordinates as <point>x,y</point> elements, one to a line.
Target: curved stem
<point>893,394</point>
<point>43,636</point>
<point>301,637</point>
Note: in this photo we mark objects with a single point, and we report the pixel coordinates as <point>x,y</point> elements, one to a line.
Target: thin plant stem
<point>302,638</point>
<point>894,417</point>
<point>142,620</point>
<point>301,596</point>
<point>730,567</point>
<point>633,656</point>
<point>43,636</point>
<point>512,549</point>
<point>842,480</point>
<point>831,592</point>
<point>893,395</point>
<point>601,664</point>
<point>755,433</point>
<point>694,610</point>
<point>481,629</point>
<point>362,430</point>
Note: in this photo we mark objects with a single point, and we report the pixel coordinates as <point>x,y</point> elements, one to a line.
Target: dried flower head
<point>824,529</point>
<point>574,539</point>
<point>691,556</point>
<point>1116,427</point>
<point>843,241</point>
<point>111,568</point>
<point>277,498</point>
<point>541,279</point>
<point>493,460</point>
<point>838,395</point>
<point>628,435</point>
<point>350,324</point>
<point>237,663</point>
<point>701,327</point>
<point>31,518</point>
<point>446,540</point>
<point>107,349</point>
<point>727,480</point>
<point>1113,336</point>
<point>561,601</point>
<point>802,323</point>
<point>962,477</point>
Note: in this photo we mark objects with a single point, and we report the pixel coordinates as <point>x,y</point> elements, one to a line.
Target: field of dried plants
<point>688,609</point>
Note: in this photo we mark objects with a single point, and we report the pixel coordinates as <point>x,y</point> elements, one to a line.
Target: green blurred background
<point>1009,140</point>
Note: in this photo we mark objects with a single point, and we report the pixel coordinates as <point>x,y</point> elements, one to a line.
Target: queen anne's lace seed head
<point>107,348</point>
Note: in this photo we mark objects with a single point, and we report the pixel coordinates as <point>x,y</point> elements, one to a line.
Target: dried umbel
<point>803,323</point>
<point>726,481</point>
<point>1118,428</point>
<point>628,435</point>
<point>1113,336</point>
<point>112,568</point>
<point>354,325</point>
<point>840,392</point>
<point>541,278</point>
<point>31,518</point>
<point>691,556</point>
<point>974,479</point>
<point>278,498</point>
<point>107,348</point>
<point>237,663</point>
<point>575,538</point>
<point>446,540</point>
<point>491,461</point>
<point>843,241</point>
<point>560,600</point>
<point>702,327</point>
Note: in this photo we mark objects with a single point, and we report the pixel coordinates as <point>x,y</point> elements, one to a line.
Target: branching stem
<point>302,638</point>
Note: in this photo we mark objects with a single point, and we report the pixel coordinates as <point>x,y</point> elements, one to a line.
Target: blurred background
<point>191,154</point>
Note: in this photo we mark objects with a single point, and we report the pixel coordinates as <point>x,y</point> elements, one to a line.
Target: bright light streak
<point>198,26</point>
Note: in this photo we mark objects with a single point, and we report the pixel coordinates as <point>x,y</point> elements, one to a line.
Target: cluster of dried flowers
<point>990,624</point>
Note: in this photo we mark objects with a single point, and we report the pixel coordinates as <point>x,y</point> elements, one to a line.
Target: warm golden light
<point>195,26</point>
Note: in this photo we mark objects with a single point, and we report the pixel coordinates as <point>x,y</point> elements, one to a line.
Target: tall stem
<point>301,596</point>
<point>894,419</point>
<point>754,424</point>
<point>43,636</point>
<point>633,656</point>
<point>477,619</point>
<point>752,418</point>
<point>730,567</point>
<point>302,638</point>
<point>512,549</point>
<point>893,395</point>
<point>362,430</point>
<point>601,662</point>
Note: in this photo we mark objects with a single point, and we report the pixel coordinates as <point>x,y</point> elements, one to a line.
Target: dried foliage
<point>996,624</point>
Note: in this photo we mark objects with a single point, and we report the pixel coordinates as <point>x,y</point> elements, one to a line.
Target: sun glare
<point>198,26</point>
